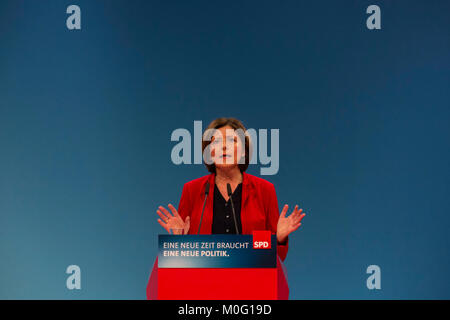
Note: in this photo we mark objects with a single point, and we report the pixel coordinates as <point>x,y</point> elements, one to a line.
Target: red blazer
<point>259,206</point>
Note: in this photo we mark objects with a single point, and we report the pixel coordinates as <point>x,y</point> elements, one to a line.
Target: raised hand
<point>173,222</point>
<point>286,225</point>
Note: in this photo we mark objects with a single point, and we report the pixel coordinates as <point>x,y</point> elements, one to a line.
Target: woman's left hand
<point>286,225</point>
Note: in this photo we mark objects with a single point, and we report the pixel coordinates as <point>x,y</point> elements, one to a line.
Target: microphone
<point>232,207</point>
<point>204,203</point>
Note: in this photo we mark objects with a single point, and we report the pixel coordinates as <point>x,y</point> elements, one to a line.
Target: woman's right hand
<point>173,221</point>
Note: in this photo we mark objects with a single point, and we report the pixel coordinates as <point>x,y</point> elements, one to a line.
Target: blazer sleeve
<point>184,207</point>
<point>273,215</point>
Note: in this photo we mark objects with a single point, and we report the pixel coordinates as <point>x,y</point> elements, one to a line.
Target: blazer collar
<point>247,185</point>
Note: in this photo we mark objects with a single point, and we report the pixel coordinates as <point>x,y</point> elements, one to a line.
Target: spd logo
<point>261,240</point>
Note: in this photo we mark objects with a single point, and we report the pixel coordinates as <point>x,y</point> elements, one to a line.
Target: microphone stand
<point>232,207</point>
<point>204,203</point>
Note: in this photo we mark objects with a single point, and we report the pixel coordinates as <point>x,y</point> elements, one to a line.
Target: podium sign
<point>215,251</point>
<point>223,267</point>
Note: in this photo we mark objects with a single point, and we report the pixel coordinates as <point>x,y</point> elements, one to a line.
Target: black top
<point>223,221</point>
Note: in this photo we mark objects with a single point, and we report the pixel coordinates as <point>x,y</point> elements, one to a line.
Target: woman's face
<point>226,148</point>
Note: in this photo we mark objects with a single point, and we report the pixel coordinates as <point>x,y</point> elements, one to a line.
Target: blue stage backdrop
<point>86,118</point>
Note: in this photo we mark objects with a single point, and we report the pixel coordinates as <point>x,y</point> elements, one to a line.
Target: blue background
<point>86,118</point>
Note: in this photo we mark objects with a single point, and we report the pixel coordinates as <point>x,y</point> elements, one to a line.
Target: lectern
<point>218,267</point>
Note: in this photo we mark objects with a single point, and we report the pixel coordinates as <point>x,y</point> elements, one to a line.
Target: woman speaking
<point>205,205</point>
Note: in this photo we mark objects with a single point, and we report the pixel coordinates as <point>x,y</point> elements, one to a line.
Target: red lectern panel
<point>217,284</point>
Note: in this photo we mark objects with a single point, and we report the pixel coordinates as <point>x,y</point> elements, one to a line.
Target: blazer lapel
<point>247,192</point>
